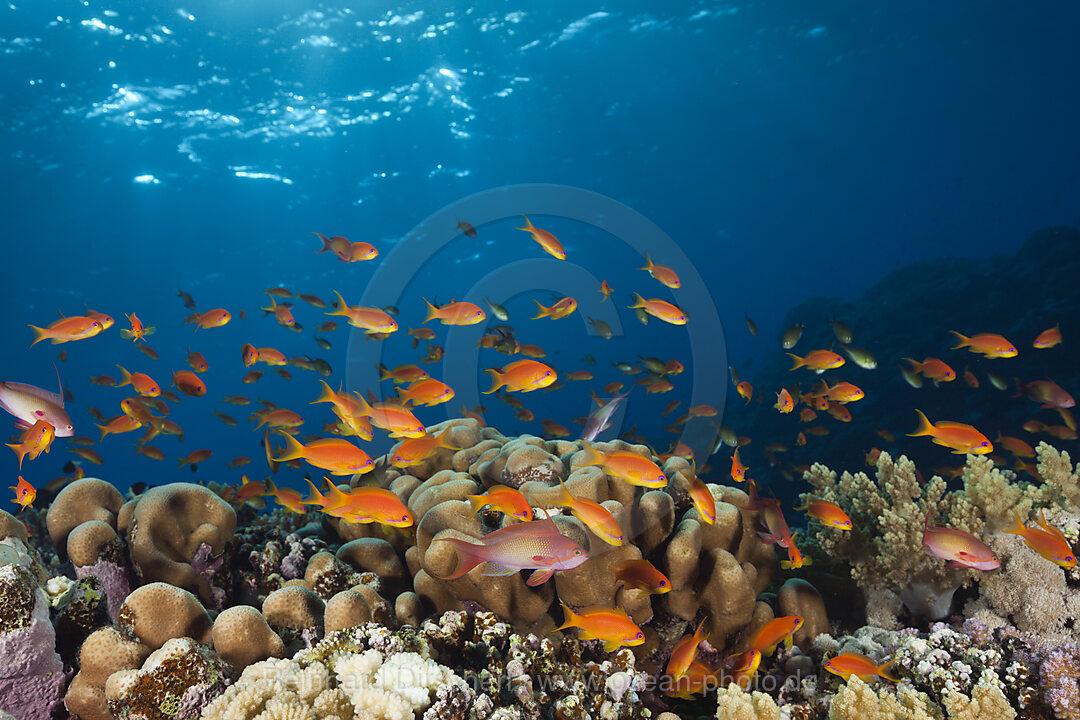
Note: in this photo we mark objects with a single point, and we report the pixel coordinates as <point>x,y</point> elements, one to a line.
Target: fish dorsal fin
<point>37,392</point>
<point>603,608</point>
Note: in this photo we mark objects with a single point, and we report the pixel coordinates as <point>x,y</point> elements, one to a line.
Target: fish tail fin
<point>1017,528</point>
<point>566,499</point>
<point>39,334</point>
<point>293,449</point>
<point>592,456</point>
<point>648,262</point>
<point>799,362</point>
<point>570,618</point>
<point>336,497</point>
<point>925,426</point>
<point>342,306</point>
<point>125,377</point>
<point>384,372</point>
<point>528,225</point>
<point>638,301</point>
<point>20,452</point>
<point>432,311</point>
<point>962,340</point>
<point>365,407</point>
<point>468,557</point>
<point>541,311</point>
<point>316,497</point>
<point>887,671</point>
<point>496,380</point>
<point>325,242</point>
<point>327,394</point>
<point>916,366</point>
<point>477,503</point>
<point>103,428</point>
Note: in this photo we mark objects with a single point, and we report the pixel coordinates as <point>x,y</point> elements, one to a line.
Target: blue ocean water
<point>789,150</point>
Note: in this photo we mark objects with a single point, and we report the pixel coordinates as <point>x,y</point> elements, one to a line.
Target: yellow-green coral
<point>884,545</point>
<point>859,701</point>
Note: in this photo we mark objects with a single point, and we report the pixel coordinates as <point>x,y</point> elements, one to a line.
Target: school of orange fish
<point>531,543</point>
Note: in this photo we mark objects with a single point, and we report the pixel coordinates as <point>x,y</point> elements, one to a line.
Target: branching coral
<point>885,549</point>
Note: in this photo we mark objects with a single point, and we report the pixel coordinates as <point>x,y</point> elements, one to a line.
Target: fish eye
<point>577,552</point>
<point>639,635</point>
<point>663,583</point>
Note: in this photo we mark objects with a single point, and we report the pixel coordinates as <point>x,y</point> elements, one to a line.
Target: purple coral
<point>1060,681</point>
<point>31,673</point>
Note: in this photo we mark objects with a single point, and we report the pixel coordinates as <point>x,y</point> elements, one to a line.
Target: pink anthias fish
<point>29,404</point>
<point>777,530</point>
<point>961,549</point>
<point>1045,392</point>
<point>535,545</point>
<point>599,419</point>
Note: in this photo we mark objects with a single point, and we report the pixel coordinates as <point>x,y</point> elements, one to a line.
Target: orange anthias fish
<point>370,320</point>
<point>362,505</point>
<point>642,575</point>
<point>843,392</point>
<point>660,309</point>
<point>563,308</point>
<point>703,500</point>
<point>337,455</point>
<point>278,418</point>
<point>34,441</point>
<point>774,632</point>
<point>933,369</point>
<point>738,470</point>
<point>661,273</point>
<point>138,331</point>
<point>625,465</point>
<point>605,290</point>
<point>784,402</point>
<point>395,419</point>
<point>986,344</point>
<point>195,457</point>
<point>413,451</point>
<point>455,313</point>
<point>287,497</point>
<point>612,627</point>
<point>684,652</point>
<point>402,373</point>
<point>1048,338</point>
<point>1045,392</point>
<point>505,499</point>
<point>1046,540</point>
<point>189,383</point>
<point>118,425</point>
<point>745,390</point>
<point>594,515</point>
<point>959,437</point>
<point>826,513</point>
<point>282,313</point>
<point>197,362</point>
<point>143,384</point>
<point>1015,445</point>
<point>210,319</point>
<point>549,242</point>
<point>817,360</point>
<point>270,356</point>
<point>66,330</point>
<point>960,548</point>
<point>24,493</point>
<point>534,545</point>
<point>847,664</point>
<point>522,376</point>
<point>795,558</point>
